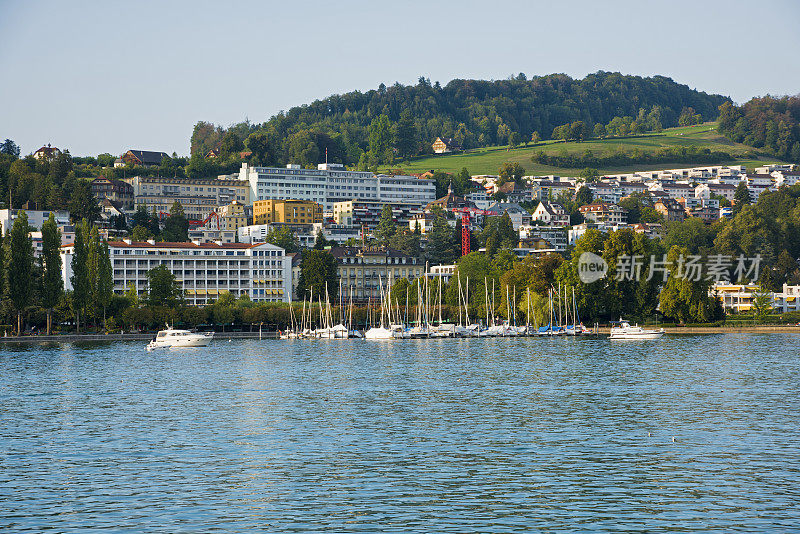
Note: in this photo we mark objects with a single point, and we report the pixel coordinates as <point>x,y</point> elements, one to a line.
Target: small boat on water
<point>173,338</point>
<point>624,330</point>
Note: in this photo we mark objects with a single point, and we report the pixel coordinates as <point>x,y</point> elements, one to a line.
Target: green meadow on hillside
<point>488,160</point>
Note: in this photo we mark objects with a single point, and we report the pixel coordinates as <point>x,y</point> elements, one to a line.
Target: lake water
<point>472,435</point>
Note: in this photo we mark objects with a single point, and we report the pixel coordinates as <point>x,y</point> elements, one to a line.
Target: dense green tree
<point>163,289</point>
<point>741,197</point>
<point>82,204</point>
<point>105,280</point>
<point>283,237</point>
<point>380,138</point>
<point>590,297</point>
<point>387,227</point>
<point>440,248</point>
<point>321,242</point>
<point>231,144</point>
<point>685,298</point>
<point>510,172</point>
<point>176,226</point>
<point>318,271</point>
<point>406,134</point>
<point>80,271</point>
<point>475,112</point>
<point>584,196</point>
<point>20,266</point>
<point>52,283</point>
<point>9,147</point>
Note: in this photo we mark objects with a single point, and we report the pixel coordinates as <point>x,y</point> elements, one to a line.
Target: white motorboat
<point>173,338</point>
<point>624,330</point>
<point>378,333</point>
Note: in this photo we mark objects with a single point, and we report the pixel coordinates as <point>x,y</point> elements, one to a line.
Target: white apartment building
<point>405,189</point>
<point>204,270</point>
<point>199,197</point>
<point>331,183</point>
<point>36,218</point>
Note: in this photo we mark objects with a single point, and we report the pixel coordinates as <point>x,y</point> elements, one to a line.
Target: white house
<point>550,213</point>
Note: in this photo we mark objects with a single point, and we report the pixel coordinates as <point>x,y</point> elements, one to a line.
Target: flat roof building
<point>203,270</point>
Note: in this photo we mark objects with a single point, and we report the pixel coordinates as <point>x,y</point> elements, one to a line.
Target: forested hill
<point>403,120</point>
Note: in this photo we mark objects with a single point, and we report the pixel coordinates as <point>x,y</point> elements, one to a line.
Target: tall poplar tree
<point>20,267</point>
<point>105,280</point>
<point>52,283</point>
<point>80,271</point>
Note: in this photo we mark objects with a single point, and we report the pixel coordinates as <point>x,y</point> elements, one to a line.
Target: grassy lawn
<point>488,160</point>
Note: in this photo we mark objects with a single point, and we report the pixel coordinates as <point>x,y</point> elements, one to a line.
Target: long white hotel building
<point>204,270</point>
<point>331,183</point>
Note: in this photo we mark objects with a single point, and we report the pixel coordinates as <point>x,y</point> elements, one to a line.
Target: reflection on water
<point>485,435</point>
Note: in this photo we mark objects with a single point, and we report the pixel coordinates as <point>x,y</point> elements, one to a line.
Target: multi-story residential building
<point>709,190</point>
<point>306,234</point>
<point>674,190</point>
<point>519,216</point>
<point>602,212</point>
<point>550,189</point>
<point>211,235</point>
<point>366,214</point>
<point>405,189</point>
<point>203,270</point>
<point>362,271</point>
<point>555,235</point>
<point>331,183</point>
<point>232,216</point>
<point>117,191</point>
<point>199,197</point>
<point>424,222</point>
<point>787,178</point>
<point>758,183</point>
<point>480,199</point>
<point>670,209</point>
<point>787,300</point>
<point>286,212</point>
<point>36,218</point>
<point>519,191</point>
<point>550,213</point>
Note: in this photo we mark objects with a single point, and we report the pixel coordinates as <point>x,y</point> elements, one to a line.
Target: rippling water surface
<point>502,435</point>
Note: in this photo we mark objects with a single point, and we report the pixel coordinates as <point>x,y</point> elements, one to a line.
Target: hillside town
<point>232,219</point>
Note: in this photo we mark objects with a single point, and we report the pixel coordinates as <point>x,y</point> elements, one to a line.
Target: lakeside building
<point>199,197</point>
<point>286,211</point>
<point>362,271</point>
<point>739,298</point>
<point>203,270</point>
<point>36,218</point>
<point>331,182</point>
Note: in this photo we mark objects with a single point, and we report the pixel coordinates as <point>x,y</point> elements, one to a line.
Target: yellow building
<point>286,211</point>
<point>233,216</point>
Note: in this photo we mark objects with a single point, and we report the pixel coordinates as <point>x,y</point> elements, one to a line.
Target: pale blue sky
<point>107,76</point>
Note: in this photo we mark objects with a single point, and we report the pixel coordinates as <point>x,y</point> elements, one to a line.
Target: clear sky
<point>107,76</point>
